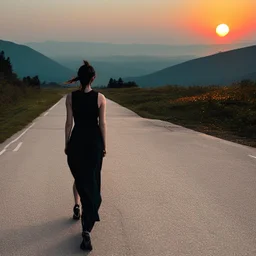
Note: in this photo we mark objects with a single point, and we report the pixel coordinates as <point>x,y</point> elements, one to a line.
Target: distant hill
<point>28,62</point>
<point>251,76</point>
<point>123,66</point>
<point>219,69</point>
<point>91,50</point>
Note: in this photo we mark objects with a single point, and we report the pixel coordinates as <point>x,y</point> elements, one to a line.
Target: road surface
<point>167,191</point>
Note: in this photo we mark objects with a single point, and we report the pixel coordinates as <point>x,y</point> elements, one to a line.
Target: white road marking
<point>252,156</point>
<point>18,147</point>
<point>19,136</point>
<point>54,105</point>
<point>26,131</point>
<point>2,152</point>
<point>46,113</point>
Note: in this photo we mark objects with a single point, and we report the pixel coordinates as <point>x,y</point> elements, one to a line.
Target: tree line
<point>7,74</point>
<point>120,83</point>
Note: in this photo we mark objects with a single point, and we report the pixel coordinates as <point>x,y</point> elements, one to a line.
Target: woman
<point>86,146</point>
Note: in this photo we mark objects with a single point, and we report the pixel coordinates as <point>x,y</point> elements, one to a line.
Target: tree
<point>110,83</point>
<point>120,83</point>
<point>5,66</point>
<point>131,84</point>
<point>9,67</point>
<point>35,81</point>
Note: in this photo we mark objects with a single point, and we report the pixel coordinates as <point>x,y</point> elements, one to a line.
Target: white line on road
<point>45,114</point>
<point>2,152</point>
<point>18,147</point>
<point>54,105</point>
<point>26,130</point>
<point>252,156</point>
<point>19,136</point>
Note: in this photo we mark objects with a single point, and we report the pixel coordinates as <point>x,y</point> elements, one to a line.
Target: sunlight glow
<point>222,30</point>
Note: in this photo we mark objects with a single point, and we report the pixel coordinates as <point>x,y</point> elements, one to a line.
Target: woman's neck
<point>87,88</point>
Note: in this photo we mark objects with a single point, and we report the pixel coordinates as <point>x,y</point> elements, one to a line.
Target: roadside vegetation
<point>21,100</point>
<point>227,112</point>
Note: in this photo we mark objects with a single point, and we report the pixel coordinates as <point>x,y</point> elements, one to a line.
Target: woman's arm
<point>69,119</point>
<point>102,120</point>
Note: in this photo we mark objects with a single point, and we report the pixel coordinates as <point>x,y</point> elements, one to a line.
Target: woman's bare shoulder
<point>102,97</point>
<point>101,100</point>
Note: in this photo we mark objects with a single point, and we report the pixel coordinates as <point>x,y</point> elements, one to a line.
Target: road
<point>167,191</point>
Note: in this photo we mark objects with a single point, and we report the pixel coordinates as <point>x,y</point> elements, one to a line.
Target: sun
<point>222,30</point>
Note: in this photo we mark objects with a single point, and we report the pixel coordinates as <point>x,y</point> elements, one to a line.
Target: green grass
<point>21,105</point>
<point>225,112</point>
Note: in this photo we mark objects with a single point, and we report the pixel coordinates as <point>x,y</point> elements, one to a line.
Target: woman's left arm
<point>69,120</point>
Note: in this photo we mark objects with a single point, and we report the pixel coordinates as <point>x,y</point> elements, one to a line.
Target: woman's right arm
<point>102,120</point>
<point>69,119</point>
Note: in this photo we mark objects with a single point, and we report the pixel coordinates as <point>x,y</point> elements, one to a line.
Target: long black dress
<point>85,154</point>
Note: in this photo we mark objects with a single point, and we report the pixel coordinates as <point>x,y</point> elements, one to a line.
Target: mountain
<point>218,69</point>
<point>251,76</point>
<point>124,60</point>
<point>122,66</point>
<point>28,62</point>
<point>91,50</point>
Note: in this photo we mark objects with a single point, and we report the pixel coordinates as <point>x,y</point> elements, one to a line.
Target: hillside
<point>28,62</point>
<point>91,50</point>
<point>123,66</point>
<point>251,76</point>
<point>219,69</point>
<point>227,112</point>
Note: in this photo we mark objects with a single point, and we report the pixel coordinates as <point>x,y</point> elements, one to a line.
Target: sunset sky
<point>127,21</point>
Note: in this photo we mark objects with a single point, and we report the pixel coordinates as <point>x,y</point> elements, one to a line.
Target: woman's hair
<point>84,74</point>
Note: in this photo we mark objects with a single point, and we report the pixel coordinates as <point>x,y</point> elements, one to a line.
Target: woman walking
<point>86,146</point>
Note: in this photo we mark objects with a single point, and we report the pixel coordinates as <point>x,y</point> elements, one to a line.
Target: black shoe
<point>86,244</point>
<point>76,212</point>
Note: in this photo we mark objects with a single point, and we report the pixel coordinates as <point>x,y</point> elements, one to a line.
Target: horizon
<point>244,43</point>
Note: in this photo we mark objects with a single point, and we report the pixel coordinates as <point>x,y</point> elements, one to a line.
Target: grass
<point>21,105</point>
<point>225,112</point>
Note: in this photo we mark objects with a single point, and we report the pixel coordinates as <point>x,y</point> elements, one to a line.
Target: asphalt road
<point>166,191</point>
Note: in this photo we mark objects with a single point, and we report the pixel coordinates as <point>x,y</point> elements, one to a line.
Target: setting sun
<point>222,30</point>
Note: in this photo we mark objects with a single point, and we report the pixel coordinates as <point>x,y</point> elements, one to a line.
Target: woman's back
<point>86,133</point>
<point>85,108</point>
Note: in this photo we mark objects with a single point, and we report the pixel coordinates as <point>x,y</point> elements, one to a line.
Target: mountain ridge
<point>221,68</point>
<point>29,62</point>
<point>95,49</point>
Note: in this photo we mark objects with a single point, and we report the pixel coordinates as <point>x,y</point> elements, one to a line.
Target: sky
<point>127,21</point>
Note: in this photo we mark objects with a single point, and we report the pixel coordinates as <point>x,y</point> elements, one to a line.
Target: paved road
<point>166,190</point>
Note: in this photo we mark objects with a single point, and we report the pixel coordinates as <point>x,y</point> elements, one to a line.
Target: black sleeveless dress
<point>85,154</point>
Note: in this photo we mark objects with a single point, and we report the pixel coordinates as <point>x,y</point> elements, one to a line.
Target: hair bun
<point>86,63</point>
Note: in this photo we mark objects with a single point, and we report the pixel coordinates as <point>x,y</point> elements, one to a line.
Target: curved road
<point>167,191</point>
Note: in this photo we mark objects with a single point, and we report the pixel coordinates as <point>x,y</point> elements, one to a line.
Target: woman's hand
<point>66,150</point>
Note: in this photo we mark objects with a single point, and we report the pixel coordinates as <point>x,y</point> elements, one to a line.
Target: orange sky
<point>206,15</point>
<point>128,21</point>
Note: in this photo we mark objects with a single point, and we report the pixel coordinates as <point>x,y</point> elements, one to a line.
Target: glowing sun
<point>222,30</point>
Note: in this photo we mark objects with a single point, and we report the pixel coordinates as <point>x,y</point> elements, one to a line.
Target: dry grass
<point>21,105</point>
<point>226,112</point>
